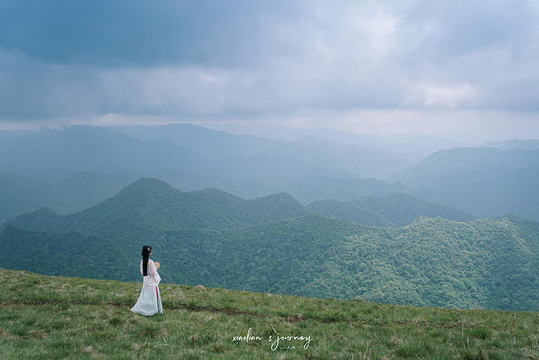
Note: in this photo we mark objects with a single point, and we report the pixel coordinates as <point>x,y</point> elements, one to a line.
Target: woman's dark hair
<point>146,250</point>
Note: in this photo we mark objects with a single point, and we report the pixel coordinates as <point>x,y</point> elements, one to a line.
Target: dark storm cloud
<point>106,33</point>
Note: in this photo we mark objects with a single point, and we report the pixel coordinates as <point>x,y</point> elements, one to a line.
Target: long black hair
<point>146,250</point>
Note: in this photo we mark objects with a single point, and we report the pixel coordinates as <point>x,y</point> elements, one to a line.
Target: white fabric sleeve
<point>153,271</point>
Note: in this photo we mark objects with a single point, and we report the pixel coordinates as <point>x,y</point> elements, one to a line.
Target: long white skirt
<point>149,302</point>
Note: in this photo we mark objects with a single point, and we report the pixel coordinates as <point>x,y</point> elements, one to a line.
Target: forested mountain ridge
<point>394,210</point>
<point>152,205</point>
<point>491,264</point>
<point>275,245</point>
<point>21,194</point>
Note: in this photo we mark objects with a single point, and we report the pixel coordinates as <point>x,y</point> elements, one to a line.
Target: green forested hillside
<point>216,239</point>
<point>20,194</point>
<point>432,262</point>
<point>67,254</point>
<point>391,210</point>
<point>150,205</point>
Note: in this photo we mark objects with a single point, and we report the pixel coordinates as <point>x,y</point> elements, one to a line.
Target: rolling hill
<point>275,245</point>
<point>21,194</point>
<point>150,205</point>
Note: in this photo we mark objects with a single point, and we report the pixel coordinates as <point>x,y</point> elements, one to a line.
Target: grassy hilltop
<point>46,317</point>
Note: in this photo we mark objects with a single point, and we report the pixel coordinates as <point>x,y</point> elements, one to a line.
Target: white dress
<point>149,301</point>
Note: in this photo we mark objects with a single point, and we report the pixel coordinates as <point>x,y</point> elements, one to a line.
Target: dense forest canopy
<point>275,244</point>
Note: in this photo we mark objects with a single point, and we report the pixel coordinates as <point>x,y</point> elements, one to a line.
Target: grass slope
<point>55,317</point>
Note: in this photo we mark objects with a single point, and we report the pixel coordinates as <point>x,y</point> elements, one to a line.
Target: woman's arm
<point>153,271</point>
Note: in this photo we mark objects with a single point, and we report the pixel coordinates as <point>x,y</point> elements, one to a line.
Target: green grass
<point>45,317</point>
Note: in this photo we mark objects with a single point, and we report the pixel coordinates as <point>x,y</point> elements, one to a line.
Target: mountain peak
<point>146,184</point>
<point>150,204</point>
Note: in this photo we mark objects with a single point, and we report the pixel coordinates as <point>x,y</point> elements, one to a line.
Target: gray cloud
<point>249,59</point>
<point>30,89</point>
<point>138,33</point>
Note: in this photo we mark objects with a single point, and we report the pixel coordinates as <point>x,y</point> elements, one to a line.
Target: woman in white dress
<point>149,301</point>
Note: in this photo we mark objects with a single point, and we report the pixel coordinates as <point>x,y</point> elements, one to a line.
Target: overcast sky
<point>456,67</point>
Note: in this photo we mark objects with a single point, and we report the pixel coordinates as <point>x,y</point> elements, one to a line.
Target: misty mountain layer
<point>73,168</point>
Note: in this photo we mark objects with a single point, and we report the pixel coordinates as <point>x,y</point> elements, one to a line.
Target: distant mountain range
<point>487,182</point>
<point>59,153</point>
<point>153,204</point>
<point>73,168</point>
<point>523,144</point>
<point>150,205</point>
<point>275,244</point>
